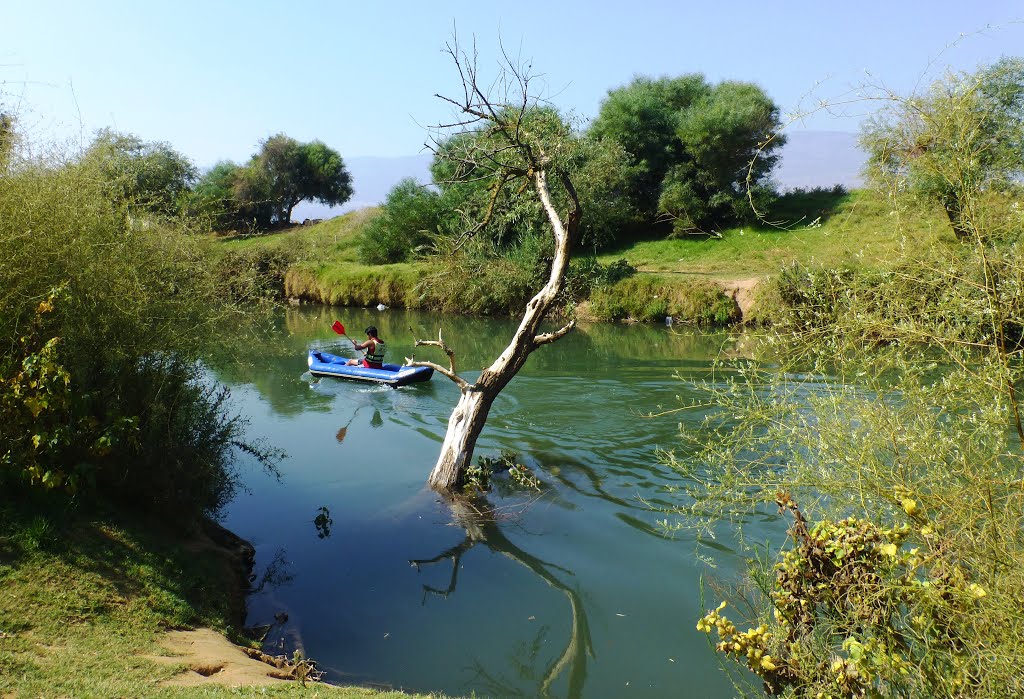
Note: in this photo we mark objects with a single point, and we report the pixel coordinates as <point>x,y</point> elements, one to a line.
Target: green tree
<point>213,197</point>
<point>698,151</point>
<point>287,172</point>
<point>510,216</point>
<point>962,137</point>
<point>148,176</point>
<point>411,215</point>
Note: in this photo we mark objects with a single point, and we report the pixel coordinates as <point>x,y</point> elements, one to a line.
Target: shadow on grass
<point>807,207</point>
<point>188,577</point>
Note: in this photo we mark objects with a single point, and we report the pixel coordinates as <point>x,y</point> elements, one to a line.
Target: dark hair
<point>372,331</point>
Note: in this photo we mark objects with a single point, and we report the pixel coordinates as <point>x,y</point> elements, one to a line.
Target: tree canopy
<point>508,215</point>
<point>263,192</point>
<point>150,176</point>
<point>965,135</point>
<point>697,152</point>
<point>291,172</point>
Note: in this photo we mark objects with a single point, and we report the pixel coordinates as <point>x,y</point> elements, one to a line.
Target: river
<point>572,591</point>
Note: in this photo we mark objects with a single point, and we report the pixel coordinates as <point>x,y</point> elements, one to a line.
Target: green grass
<point>810,228</point>
<point>855,228</point>
<point>335,239</point>
<point>814,229</point>
<point>84,598</point>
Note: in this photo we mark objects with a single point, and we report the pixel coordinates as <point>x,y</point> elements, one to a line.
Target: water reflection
<point>478,519</point>
<point>569,564</point>
<point>275,574</point>
<point>323,523</point>
<point>342,432</point>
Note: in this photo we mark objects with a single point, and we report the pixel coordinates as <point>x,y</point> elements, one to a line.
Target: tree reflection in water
<point>478,519</point>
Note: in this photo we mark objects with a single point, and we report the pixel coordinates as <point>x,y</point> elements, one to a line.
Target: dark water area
<point>573,591</point>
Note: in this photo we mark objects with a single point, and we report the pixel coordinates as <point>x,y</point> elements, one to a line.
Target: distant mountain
<point>820,159</point>
<point>809,159</point>
<point>372,179</point>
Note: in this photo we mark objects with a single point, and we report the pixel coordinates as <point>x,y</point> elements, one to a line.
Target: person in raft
<point>374,347</point>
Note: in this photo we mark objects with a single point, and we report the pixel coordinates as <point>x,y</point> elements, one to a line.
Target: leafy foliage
<point>897,620</point>
<point>262,193</point>
<point>699,153</point>
<point>483,277</point>
<point>887,405</point>
<point>291,172</point>
<point>598,169</point>
<point>963,137</point>
<point>104,316</point>
<point>412,215</point>
<point>150,177</point>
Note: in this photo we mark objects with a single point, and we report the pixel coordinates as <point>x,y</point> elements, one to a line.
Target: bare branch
<point>449,371</point>
<point>558,334</point>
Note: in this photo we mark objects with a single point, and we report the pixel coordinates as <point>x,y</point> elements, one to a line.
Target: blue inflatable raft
<point>324,364</point>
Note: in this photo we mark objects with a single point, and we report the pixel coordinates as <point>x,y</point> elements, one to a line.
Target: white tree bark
<point>470,414</point>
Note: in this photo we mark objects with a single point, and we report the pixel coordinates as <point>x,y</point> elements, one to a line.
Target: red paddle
<point>340,329</point>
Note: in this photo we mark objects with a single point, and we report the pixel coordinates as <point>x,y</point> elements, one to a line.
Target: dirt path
<point>213,659</point>
<point>741,291</point>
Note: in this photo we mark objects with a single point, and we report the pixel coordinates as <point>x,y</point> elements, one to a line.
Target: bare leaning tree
<point>513,154</point>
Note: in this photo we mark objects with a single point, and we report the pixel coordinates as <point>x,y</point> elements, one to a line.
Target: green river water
<point>571,592</point>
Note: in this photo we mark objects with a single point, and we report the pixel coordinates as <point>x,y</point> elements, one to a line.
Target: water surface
<point>571,592</point>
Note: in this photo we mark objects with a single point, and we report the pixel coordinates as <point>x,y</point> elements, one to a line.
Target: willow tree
<point>502,135</point>
<point>959,141</point>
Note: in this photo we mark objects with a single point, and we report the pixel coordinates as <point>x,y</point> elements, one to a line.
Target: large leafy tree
<point>142,175</point>
<point>232,197</point>
<point>962,137</point>
<point>509,215</point>
<point>287,172</point>
<point>698,152</point>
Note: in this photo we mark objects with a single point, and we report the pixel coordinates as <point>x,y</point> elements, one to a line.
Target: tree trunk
<point>464,426</point>
<point>470,415</point>
<point>955,214</point>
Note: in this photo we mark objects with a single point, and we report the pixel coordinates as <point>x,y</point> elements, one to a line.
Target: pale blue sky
<point>213,79</point>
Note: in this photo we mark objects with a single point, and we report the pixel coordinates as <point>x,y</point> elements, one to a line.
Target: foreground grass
<point>84,598</point>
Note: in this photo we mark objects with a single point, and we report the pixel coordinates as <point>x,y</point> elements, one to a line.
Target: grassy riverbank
<point>86,601</point>
<point>697,279</point>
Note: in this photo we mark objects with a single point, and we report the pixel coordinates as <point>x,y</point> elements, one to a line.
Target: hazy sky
<point>214,78</point>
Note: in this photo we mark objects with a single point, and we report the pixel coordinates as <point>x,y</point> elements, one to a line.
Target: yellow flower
<point>889,550</point>
<point>767,664</point>
<point>909,506</point>
<point>977,590</point>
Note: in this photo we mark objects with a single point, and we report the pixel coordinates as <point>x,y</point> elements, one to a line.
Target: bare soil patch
<point>213,659</point>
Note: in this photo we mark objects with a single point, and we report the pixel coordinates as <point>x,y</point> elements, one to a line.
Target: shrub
<point>649,297</point>
<point>483,279</point>
<point>104,318</point>
<point>409,218</point>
